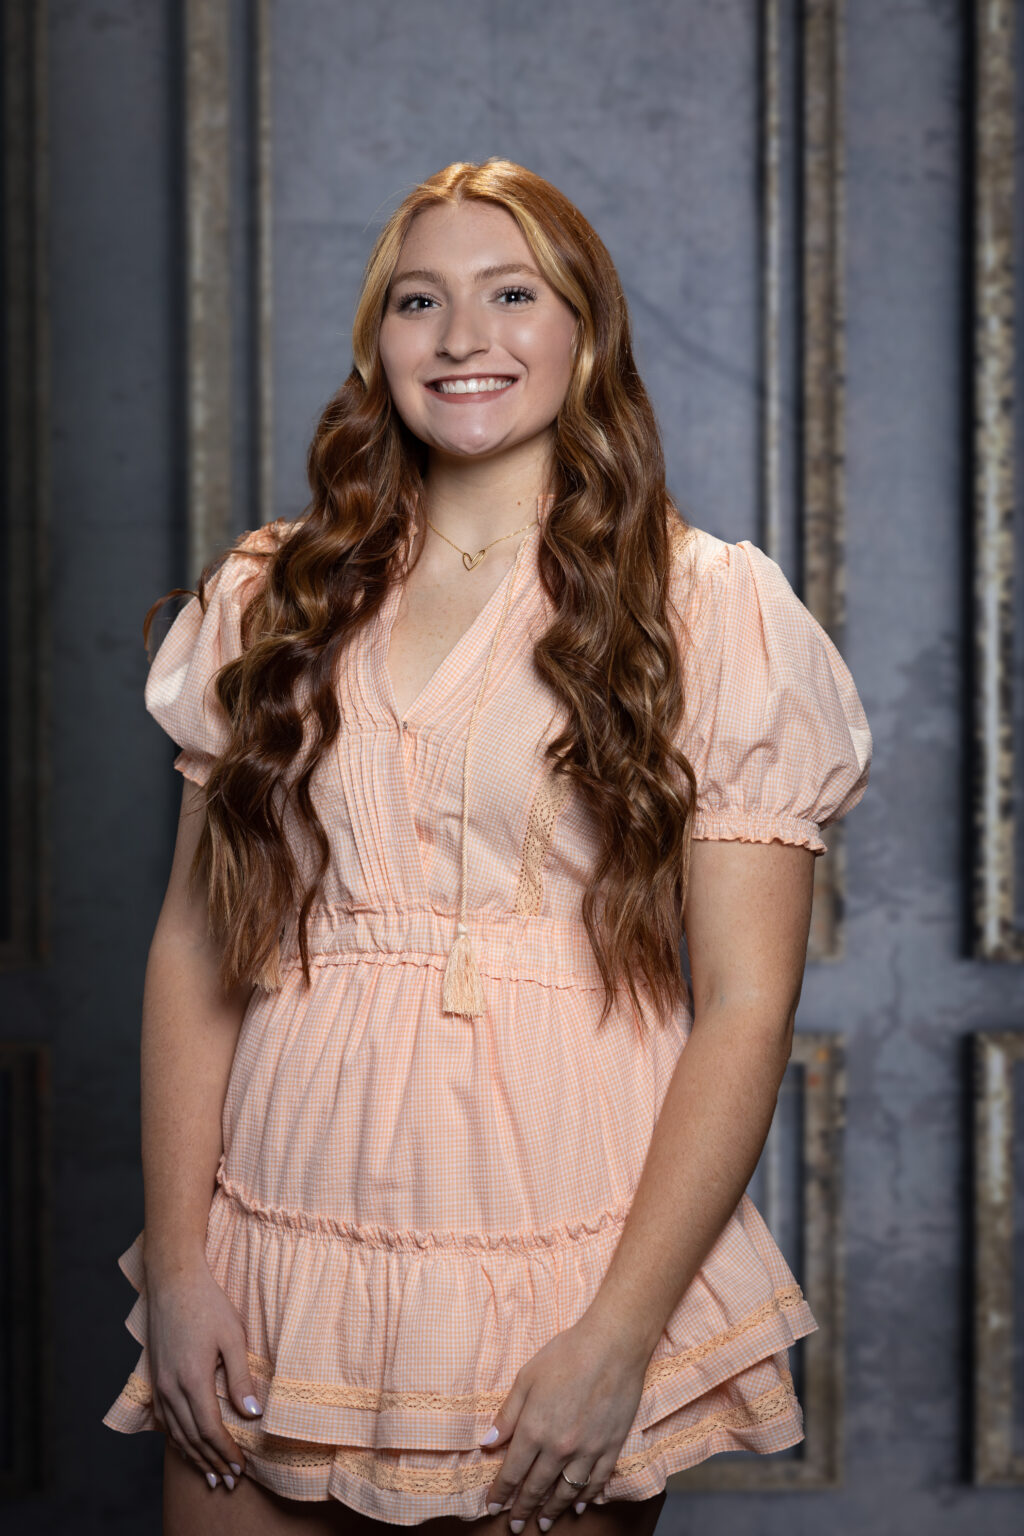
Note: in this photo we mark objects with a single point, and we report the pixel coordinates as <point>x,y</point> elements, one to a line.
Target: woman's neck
<point>474,504</point>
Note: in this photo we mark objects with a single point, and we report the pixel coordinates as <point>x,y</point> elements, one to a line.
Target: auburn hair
<point>610,654</point>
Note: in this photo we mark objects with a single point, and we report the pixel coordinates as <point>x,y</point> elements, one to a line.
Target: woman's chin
<point>477,448</point>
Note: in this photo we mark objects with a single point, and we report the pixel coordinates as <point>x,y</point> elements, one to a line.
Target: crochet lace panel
<point>547,803</point>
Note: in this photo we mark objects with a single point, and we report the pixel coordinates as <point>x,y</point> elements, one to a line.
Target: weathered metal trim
<point>995,934</point>
<point>823,403</point>
<point>820,279</point>
<point>264,223</point>
<point>208,329</point>
<point>995,1459</point>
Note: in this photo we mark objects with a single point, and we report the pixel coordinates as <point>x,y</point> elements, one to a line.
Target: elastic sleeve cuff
<point>758,827</point>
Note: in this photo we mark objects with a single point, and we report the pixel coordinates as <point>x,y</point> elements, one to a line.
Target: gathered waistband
<point>505,944</point>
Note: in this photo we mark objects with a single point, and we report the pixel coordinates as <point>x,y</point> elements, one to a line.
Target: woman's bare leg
<point>192,1508</point>
<point>619,1517</point>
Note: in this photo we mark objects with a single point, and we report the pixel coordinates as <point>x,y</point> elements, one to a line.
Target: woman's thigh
<point>619,1517</point>
<point>192,1508</point>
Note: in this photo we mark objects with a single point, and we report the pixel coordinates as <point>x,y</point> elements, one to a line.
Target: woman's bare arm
<point>189,1032</point>
<point>747,919</point>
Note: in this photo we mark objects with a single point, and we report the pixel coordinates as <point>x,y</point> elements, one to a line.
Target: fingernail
<point>491,1436</point>
<point>580,1507</point>
<point>251,1405</point>
<point>236,1469</point>
<point>494,1509</point>
<point>211,1478</point>
<point>229,1479</point>
<point>517,1525</point>
<point>544,1522</point>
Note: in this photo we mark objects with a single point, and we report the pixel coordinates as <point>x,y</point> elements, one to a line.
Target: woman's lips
<point>471,394</point>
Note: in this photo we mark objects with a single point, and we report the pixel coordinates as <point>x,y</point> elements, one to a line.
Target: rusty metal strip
<point>995,1459</point>
<point>823,396</point>
<point>821,516</point>
<point>263,129</point>
<point>995,934</point>
<point>208,279</point>
<point>771,286</point>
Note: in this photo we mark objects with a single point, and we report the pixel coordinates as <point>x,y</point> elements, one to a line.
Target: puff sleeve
<point>773,725</point>
<point>179,691</point>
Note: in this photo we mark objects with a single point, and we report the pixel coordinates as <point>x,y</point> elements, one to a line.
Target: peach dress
<point>412,1200</point>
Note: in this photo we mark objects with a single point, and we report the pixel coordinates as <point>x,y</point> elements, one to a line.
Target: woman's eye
<point>527,296</point>
<point>411,299</point>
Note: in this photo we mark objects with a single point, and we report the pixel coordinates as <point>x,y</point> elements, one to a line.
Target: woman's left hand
<point>570,1407</point>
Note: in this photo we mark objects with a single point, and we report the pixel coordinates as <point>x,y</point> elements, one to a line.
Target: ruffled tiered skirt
<point>410,1205</point>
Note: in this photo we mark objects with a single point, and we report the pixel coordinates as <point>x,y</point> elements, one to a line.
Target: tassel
<point>462,990</point>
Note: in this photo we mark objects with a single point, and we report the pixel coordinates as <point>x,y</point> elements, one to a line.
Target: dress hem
<point>380,1483</point>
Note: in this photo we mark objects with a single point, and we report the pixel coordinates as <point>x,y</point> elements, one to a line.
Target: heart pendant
<point>471,564</point>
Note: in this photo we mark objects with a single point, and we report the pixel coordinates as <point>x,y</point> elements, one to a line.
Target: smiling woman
<point>456,332</point>
<point>445,1169</point>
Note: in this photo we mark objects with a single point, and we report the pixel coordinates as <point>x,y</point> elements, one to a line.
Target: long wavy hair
<point>609,655</point>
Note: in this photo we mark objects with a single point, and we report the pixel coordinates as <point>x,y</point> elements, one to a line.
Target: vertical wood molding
<point>820,515</point>
<point>220,127</point>
<point>995,934</point>
<point>208,278</point>
<point>264,222</point>
<point>995,1458</point>
<point>25,772</point>
<point>824,397</point>
<point>772,278</point>
<point>819,1073</point>
<point>823,317</point>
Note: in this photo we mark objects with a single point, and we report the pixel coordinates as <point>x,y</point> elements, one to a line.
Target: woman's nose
<point>464,331</point>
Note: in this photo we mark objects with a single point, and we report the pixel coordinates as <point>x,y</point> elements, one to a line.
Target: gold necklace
<point>472,561</point>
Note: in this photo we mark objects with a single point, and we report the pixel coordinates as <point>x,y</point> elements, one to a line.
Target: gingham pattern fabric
<point>410,1203</point>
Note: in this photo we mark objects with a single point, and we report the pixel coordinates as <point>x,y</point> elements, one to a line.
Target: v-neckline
<point>462,645</point>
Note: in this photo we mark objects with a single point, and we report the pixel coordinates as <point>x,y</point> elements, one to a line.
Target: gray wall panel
<point>647,116</point>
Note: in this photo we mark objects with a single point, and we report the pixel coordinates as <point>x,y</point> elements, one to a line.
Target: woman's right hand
<point>190,1323</point>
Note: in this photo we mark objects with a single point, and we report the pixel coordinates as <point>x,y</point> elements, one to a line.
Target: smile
<point>487,388</point>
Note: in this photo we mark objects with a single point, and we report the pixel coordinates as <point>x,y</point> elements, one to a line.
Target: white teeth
<point>471,386</point>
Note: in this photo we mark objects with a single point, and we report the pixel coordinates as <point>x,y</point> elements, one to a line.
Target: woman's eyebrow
<point>428,275</point>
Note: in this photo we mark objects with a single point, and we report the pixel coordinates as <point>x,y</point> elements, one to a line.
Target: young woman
<point>444,1163</point>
